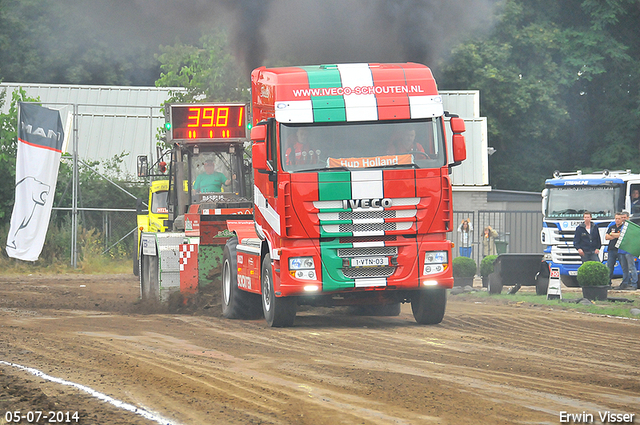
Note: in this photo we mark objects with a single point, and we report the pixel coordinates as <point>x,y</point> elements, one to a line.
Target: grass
<point>525,296</point>
<point>10,266</point>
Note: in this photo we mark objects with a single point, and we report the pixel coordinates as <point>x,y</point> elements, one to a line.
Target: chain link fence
<point>518,231</point>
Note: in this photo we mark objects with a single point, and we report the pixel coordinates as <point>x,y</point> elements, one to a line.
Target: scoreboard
<point>199,121</point>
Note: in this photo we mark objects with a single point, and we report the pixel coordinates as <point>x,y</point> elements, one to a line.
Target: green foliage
<point>593,273</point>
<point>464,267</point>
<point>9,149</point>
<point>550,75</point>
<point>208,71</point>
<point>486,265</point>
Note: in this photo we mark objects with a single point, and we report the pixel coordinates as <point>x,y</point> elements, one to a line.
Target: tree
<point>45,41</point>
<point>9,149</point>
<point>208,71</point>
<point>550,74</point>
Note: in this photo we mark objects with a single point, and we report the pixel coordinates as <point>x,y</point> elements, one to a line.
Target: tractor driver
<point>211,180</point>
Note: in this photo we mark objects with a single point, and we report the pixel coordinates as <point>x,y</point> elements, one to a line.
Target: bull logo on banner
<point>40,139</point>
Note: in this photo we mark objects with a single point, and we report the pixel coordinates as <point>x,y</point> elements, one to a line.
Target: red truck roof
<point>345,92</point>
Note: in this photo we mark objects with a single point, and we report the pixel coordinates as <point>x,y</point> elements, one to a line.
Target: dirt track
<point>488,363</point>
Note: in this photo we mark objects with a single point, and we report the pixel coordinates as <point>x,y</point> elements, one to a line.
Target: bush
<point>593,273</point>
<point>464,267</point>
<point>486,265</point>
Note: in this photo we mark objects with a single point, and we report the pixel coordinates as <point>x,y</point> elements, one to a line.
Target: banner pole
<point>74,202</point>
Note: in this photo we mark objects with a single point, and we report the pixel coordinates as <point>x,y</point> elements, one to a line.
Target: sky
<point>268,32</point>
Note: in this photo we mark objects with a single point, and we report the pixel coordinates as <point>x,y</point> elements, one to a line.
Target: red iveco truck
<point>352,197</point>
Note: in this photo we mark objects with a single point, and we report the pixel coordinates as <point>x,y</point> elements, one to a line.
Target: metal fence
<point>518,231</point>
<point>106,231</point>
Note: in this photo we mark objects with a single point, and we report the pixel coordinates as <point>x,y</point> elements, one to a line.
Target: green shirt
<point>210,182</point>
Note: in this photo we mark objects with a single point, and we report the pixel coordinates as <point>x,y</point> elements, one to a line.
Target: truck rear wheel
<point>149,278</point>
<point>428,305</point>
<point>495,285</point>
<point>278,311</point>
<point>236,303</point>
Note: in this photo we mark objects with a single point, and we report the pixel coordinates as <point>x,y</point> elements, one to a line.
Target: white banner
<point>40,138</point>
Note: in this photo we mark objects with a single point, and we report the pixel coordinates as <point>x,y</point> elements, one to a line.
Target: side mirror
<point>457,125</point>
<point>459,148</point>
<point>259,133</point>
<point>259,153</point>
<point>143,166</point>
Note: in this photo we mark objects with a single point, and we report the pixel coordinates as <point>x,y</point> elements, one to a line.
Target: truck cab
<point>565,199</point>
<point>352,193</point>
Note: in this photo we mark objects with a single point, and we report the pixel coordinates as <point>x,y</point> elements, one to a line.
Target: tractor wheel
<point>278,311</point>
<point>136,259</point>
<point>236,303</point>
<point>149,278</point>
<point>428,305</point>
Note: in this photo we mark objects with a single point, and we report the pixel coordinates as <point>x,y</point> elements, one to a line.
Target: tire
<point>136,258</point>
<point>278,311</point>
<point>542,280</point>
<point>236,303</point>
<point>149,278</point>
<point>428,305</point>
<point>542,286</point>
<point>494,286</point>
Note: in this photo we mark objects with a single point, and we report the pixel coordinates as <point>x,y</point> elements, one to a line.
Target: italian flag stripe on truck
<point>358,92</point>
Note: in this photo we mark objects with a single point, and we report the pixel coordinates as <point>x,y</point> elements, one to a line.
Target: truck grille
<point>367,227</point>
<point>364,215</point>
<point>369,251</point>
<point>334,218</point>
<point>363,272</point>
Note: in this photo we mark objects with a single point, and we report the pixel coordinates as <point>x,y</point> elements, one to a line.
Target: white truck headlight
<point>435,262</point>
<point>302,268</point>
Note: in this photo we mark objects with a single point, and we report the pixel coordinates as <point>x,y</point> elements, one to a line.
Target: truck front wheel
<point>428,305</point>
<point>278,311</point>
<point>236,303</point>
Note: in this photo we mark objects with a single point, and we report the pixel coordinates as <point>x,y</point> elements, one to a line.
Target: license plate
<point>573,273</point>
<point>369,261</point>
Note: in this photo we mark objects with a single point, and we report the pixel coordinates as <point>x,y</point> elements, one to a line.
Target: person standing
<point>465,230</point>
<point>613,233</point>
<point>587,240</point>
<point>630,278</point>
<point>489,241</point>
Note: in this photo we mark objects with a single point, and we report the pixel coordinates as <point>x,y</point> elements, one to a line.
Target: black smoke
<point>281,32</point>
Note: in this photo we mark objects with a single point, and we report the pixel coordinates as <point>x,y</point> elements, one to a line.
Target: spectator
<point>465,230</point>
<point>489,241</point>
<point>630,278</point>
<point>587,239</point>
<point>613,233</point>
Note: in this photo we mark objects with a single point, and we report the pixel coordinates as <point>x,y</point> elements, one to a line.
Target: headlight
<point>301,263</point>
<point>435,262</point>
<point>302,268</point>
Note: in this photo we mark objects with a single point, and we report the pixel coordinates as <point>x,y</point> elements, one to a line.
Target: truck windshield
<point>416,143</point>
<point>216,173</point>
<point>573,201</point>
<point>159,202</point>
